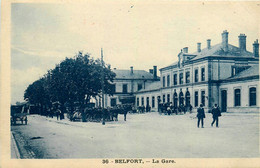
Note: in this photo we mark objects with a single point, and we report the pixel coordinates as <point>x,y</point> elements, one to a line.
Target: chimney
<point>225,41</point>
<point>131,70</point>
<point>198,47</point>
<point>208,44</point>
<point>155,72</point>
<point>151,71</point>
<point>242,42</point>
<point>256,48</point>
<point>185,50</point>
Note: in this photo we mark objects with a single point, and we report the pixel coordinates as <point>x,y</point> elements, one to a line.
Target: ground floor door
<point>113,102</point>
<point>223,100</point>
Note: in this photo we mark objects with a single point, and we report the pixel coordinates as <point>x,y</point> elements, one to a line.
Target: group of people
<point>55,111</point>
<point>142,109</point>
<point>201,115</point>
<point>169,108</point>
<point>96,114</point>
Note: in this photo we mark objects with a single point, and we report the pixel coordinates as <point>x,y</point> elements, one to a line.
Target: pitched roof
<point>174,63</point>
<point>137,74</point>
<point>252,71</point>
<point>151,86</point>
<point>217,50</point>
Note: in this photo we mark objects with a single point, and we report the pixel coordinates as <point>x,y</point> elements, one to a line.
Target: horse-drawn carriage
<point>19,113</point>
<point>94,114</point>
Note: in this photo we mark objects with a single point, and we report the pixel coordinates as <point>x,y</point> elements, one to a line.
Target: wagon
<point>18,113</point>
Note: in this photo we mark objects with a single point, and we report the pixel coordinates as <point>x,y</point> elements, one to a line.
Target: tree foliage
<point>73,80</point>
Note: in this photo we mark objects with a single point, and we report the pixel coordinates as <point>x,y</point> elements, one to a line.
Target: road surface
<point>146,135</point>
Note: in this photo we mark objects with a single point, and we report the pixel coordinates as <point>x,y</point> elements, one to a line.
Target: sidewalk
<point>14,149</point>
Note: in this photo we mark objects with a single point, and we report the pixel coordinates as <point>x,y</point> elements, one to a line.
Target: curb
<point>15,154</point>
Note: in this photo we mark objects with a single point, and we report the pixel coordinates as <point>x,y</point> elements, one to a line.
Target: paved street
<point>142,135</point>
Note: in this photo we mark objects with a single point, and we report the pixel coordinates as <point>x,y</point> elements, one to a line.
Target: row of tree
<point>75,79</point>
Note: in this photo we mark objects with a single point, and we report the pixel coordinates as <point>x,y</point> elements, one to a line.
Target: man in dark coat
<point>215,114</point>
<point>200,115</point>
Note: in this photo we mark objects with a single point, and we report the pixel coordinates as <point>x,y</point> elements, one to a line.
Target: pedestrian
<point>215,114</point>
<point>200,115</point>
<point>176,110</point>
<point>169,110</point>
<point>125,113</point>
<point>58,112</point>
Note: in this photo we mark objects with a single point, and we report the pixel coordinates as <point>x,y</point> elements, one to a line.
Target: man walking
<point>200,115</point>
<point>215,114</point>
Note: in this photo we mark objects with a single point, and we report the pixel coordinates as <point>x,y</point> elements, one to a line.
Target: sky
<point>132,33</point>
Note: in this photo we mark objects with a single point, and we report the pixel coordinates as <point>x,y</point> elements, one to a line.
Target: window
<point>159,99</point>
<point>147,101</point>
<point>203,98</point>
<point>196,76</point>
<point>252,96</point>
<point>168,80</point>
<point>153,102</point>
<point>175,79</point>
<point>237,97</point>
<point>196,96</point>
<point>175,99</point>
<point>181,78</point>
<point>187,98</point>
<point>124,88</point>
<point>181,97</point>
<point>237,69</point>
<point>137,101</point>
<point>202,74</point>
<point>113,102</point>
<point>168,98</point>
<point>163,81</point>
<point>187,77</point>
<point>142,101</point>
<point>113,88</point>
<point>140,86</point>
<point>163,98</point>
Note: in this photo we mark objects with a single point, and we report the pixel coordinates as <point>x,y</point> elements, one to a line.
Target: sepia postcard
<point>129,83</point>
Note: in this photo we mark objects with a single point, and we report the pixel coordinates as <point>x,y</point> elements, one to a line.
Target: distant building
<point>126,83</point>
<point>222,74</point>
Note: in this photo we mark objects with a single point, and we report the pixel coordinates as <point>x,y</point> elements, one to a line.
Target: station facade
<point>223,74</point>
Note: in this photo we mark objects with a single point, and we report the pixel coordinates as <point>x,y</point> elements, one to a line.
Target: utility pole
<point>102,83</point>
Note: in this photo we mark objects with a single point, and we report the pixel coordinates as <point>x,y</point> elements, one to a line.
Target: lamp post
<point>102,83</point>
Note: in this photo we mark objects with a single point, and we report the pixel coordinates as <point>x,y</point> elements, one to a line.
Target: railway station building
<point>224,74</point>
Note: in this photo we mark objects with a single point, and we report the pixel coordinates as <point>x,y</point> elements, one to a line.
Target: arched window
<point>153,102</point>
<point>181,98</point>
<point>175,99</point>
<point>237,97</point>
<point>252,96</point>
<point>137,101</point>
<point>147,101</point>
<point>196,96</point>
<point>187,98</point>
<point>168,98</point>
